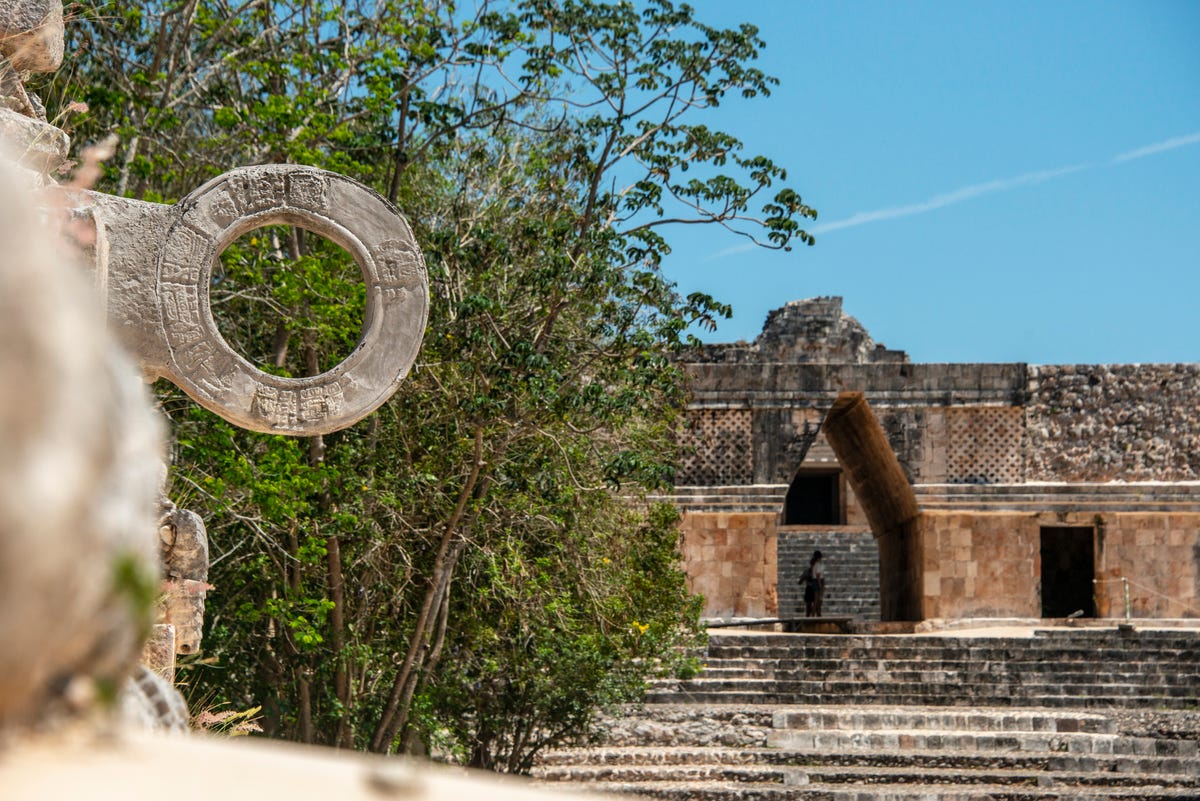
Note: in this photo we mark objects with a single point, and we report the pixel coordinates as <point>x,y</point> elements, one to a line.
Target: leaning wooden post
<point>887,498</point>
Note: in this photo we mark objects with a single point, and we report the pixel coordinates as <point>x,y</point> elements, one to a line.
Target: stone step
<point>910,719</point>
<point>970,741</point>
<point>772,791</point>
<point>1123,765</point>
<point>849,651</point>
<point>934,670</point>
<point>793,775</point>
<point>1149,681</point>
<point>726,674</point>
<point>949,685</point>
<point>928,697</point>
<point>874,717</point>
<point>1183,638</point>
<point>992,663</point>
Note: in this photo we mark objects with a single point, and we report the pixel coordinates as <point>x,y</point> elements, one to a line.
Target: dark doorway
<point>814,499</point>
<point>1068,568</point>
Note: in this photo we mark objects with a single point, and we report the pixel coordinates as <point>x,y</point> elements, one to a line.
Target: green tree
<point>472,565</point>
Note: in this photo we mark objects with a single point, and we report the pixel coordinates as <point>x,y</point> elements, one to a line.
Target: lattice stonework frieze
<point>717,448</point>
<point>983,445</point>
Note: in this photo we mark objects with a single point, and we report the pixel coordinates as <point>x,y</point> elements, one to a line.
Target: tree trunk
<point>408,741</point>
<point>395,712</point>
<point>337,622</point>
<point>305,712</point>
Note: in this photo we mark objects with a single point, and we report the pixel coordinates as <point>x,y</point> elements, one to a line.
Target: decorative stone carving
<point>151,703</point>
<point>154,263</point>
<point>184,551</point>
<point>81,466</point>
<point>159,268</point>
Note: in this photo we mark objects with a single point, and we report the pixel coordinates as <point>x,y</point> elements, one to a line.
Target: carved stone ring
<point>199,360</point>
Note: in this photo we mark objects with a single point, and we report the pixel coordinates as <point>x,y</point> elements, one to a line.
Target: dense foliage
<point>472,568</point>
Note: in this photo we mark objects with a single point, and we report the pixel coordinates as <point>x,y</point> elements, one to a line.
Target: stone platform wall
<point>980,565</point>
<point>731,559</point>
<point>988,564</point>
<point>1160,556</point>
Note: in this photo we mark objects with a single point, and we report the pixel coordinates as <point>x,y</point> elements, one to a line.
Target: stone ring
<point>202,363</point>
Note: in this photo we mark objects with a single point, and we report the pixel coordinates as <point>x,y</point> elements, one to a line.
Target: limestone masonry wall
<point>731,560</point>
<point>1124,422</point>
<point>979,424</point>
<point>1157,553</point>
<point>980,565</point>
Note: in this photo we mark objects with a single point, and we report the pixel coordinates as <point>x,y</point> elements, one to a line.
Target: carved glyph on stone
<point>177,337</point>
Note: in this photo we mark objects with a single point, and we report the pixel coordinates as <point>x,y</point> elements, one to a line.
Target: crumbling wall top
<point>814,330</point>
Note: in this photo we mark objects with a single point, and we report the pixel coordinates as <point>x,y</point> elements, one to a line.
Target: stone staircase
<point>1099,668</point>
<point>751,728</point>
<point>851,564</point>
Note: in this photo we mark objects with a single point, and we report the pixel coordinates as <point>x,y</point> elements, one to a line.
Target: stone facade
<point>1129,422</point>
<point>998,455</point>
<point>742,549</point>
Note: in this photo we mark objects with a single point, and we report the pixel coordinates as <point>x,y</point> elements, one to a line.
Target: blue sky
<point>996,181</point>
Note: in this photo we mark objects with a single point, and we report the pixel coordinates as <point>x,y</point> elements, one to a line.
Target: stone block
<point>31,34</point>
<point>159,652</point>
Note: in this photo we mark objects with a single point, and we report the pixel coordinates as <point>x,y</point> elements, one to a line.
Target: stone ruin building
<point>991,490</point>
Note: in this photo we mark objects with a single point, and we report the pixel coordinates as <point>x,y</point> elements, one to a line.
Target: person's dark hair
<point>815,557</point>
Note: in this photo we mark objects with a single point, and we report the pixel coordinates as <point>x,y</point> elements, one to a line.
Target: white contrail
<point>1160,147</point>
<point>992,187</point>
<point>949,198</point>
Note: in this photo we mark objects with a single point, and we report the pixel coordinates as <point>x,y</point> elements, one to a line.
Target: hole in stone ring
<point>288,300</point>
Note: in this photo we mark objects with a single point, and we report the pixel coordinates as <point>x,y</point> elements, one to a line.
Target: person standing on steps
<point>814,586</point>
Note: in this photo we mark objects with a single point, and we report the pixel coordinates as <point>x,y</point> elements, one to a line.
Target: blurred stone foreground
<point>80,467</point>
<point>81,476</point>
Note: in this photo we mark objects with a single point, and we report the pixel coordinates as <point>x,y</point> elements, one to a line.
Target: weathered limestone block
<point>80,468</point>
<point>159,652</point>
<point>40,147</point>
<point>31,34</point>
<point>184,544</point>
